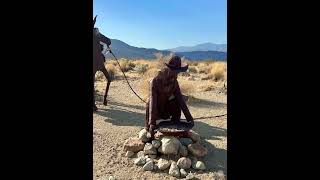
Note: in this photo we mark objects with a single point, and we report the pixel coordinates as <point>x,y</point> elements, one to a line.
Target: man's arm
<point>182,103</point>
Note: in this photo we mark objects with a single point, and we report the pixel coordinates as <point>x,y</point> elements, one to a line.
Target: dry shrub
<point>111,71</point>
<point>218,71</point>
<point>207,87</point>
<point>193,63</point>
<point>99,76</point>
<point>144,89</point>
<point>141,68</point>
<point>193,69</point>
<point>151,73</point>
<point>126,65</point>
<point>184,74</point>
<point>186,87</point>
<point>161,59</point>
<point>111,61</point>
<point>203,68</point>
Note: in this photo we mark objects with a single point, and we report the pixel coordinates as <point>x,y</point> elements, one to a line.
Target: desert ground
<point>123,117</point>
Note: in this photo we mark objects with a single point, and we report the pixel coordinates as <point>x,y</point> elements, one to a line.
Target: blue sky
<point>162,24</point>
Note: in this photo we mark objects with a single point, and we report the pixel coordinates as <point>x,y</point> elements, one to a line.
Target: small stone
<point>153,156</point>
<point>184,163</point>
<point>199,165</point>
<point>220,175</point>
<point>133,144</point>
<point>156,144</point>
<point>155,167</point>
<point>148,166</point>
<point>112,178</point>
<point>183,151</point>
<point>190,176</point>
<point>174,170</point>
<point>140,154</point>
<point>194,136</point>
<point>158,135</point>
<point>183,173</point>
<point>129,154</point>
<point>149,149</point>
<point>140,161</point>
<point>148,159</point>
<point>143,135</point>
<point>163,164</point>
<point>186,141</point>
<point>197,150</point>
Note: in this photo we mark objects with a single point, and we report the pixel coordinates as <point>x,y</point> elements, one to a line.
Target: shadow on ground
<point>122,117</point>
<point>202,103</point>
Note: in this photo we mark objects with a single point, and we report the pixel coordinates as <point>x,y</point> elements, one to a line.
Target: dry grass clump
<point>218,71</point>
<point>126,65</point>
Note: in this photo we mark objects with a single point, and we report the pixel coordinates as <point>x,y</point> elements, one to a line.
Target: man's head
<point>176,65</point>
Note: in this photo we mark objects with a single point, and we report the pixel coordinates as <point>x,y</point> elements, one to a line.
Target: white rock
<point>199,165</point>
<point>174,170</point>
<point>163,164</point>
<point>169,145</point>
<point>183,173</point>
<point>143,135</point>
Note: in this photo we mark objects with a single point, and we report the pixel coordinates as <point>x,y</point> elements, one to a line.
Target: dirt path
<point>124,118</point>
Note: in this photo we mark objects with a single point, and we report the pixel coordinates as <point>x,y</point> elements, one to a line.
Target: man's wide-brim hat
<point>175,64</point>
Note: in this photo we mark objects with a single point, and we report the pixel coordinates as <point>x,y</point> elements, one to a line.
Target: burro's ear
<point>94,20</point>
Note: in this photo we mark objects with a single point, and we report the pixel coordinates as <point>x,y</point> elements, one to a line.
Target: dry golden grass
<point>212,85</point>
<point>203,68</point>
<point>144,89</point>
<point>111,71</point>
<point>111,61</point>
<point>126,65</point>
<point>151,73</point>
<point>193,69</point>
<point>99,76</point>
<point>218,71</point>
<point>186,87</point>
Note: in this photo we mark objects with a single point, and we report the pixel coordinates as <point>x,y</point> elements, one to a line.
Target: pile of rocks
<point>166,152</point>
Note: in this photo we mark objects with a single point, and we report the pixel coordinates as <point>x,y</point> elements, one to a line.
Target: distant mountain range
<point>123,50</point>
<point>201,47</point>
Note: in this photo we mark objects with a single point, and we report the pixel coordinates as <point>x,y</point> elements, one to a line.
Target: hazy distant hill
<point>123,50</point>
<point>201,47</point>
